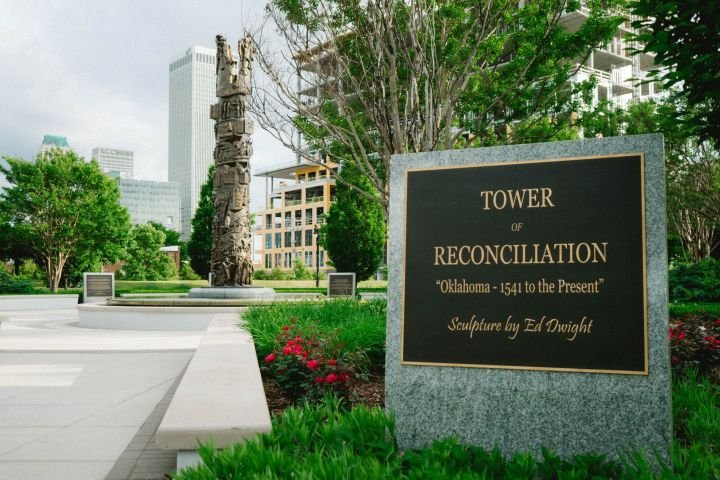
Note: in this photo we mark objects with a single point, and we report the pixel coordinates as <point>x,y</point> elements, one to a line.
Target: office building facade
<point>148,201</point>
<point>191,135</point>
<point>299,196</point>
<point>116,163</point>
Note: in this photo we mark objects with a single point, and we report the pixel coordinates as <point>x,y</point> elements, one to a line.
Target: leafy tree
<point>145,260</point>
<point>354,231</point>
<point>684,36</point>
<point>61,208</point>
<point>200,244</point>
<point>172,238</point>
<point>387,77</point>
<point>692,168</point>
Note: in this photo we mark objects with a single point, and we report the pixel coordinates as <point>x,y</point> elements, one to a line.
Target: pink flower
<point>313,364</point>
<point>298,349</point>
<point>319,379</point>
<point>331,378</point>
<point>287,351</point>
<point>332,362</point>
<point>270,358</point>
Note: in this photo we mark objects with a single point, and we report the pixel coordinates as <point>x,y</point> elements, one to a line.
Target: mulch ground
<point>370,393</point>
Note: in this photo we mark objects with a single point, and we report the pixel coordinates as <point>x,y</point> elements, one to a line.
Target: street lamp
<point>317,256</point>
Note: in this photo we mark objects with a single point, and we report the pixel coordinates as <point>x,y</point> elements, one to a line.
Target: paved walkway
<point>72,399</point>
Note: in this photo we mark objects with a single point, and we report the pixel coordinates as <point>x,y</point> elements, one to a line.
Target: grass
<point>322,441</point>
<point>360,325</point>
<point>677,309</point>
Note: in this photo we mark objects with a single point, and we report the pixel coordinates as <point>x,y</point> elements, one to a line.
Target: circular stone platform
<point>245,293</point>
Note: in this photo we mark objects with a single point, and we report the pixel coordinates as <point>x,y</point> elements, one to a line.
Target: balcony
<point>290,203</point>
<point>315,199</point>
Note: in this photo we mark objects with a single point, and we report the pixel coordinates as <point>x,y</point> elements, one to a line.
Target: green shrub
<point>695,343</point>
<point>309,442</point>
<point>278,273</point>
<point>324,442</point>
<point>260,274</point>
<point>187,273</point>
<point>696,282</point>
<point>310,367</point>
<point>300,271</point>
<point>678,309</point>
<point>360,325</point>
<point>9,283</point>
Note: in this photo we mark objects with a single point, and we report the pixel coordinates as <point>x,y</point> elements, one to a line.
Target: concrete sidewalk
<point>72,399</point>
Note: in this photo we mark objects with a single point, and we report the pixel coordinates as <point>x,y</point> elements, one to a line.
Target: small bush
<point>278,273</point>
<point>187,273</point>
<point>260,274</point>
<point>300,271</point>
<point>310,367</point>
<point>695,343</point>
<point>9,283</point>
<point>359,325</point>
<point>696,282</point>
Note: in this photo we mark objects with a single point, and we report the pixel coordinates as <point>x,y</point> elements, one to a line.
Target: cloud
<point>97,73</point>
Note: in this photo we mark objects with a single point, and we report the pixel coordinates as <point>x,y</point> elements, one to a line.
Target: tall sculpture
<point>231,258</point>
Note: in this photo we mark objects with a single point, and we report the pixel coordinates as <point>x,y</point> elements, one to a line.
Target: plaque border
<point>643,372</point>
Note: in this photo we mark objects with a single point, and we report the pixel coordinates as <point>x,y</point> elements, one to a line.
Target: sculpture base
<point>248,292</point>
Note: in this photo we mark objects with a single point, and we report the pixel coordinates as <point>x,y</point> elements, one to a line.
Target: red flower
<point>298,349</point>
<point>332,362</point>
<point>297,340</point>
<point>286,328</point>
<point>287,351</point>
<point>304,354</point>
<point>270,358</point>
<point>717,322</point>
<point>313,364</point>
<point>290,343</point>
<point>681,335</point>
<point>319,379</point>
<point>331,378</point>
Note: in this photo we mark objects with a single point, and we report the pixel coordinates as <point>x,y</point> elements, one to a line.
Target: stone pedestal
<point>248,292</point>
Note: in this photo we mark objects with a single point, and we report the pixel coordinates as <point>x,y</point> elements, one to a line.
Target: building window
<point>288,260</point>
<point>278,257</point>
<point>298,238</point>
<point>288,239</point>
<point>268,240</point>
<point>268,221</point>
<point>308,259</point>
<point>321,258</point>
<point>308,237</point>
<point>278,241</point>
<point>268,260</point>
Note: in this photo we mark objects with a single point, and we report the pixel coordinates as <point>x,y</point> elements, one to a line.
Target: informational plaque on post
<point>341,285</point>
<point>98,287</point>
<point>536,265</point>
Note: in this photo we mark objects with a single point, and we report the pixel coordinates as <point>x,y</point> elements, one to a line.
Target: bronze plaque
<point>98,285</point>
<point>341,285</point>
<point>527,265</point>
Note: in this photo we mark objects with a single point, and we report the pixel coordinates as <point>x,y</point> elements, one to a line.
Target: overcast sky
<point>96,72</point>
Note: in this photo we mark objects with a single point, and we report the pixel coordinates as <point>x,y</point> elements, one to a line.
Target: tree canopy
<point>62,208</point>
<point>684,36</point>
<point>354,231</point>
<point>200,243</point>
<point>692,167</point>
<point>387,77</point>
<point>144,259</point>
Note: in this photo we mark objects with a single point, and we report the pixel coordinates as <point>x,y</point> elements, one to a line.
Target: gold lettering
<point>439,252</point>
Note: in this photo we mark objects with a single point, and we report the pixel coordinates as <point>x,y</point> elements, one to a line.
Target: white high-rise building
<point>191,136</point>
<point>116,163</point>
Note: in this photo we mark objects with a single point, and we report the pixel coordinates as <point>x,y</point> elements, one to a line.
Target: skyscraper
<point>191,137</point>
<point>51,142</point>
<point>149,201</point>
<point>116,163</point>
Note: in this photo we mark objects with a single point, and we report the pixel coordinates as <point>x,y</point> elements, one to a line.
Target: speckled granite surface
<point>520,410</point>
